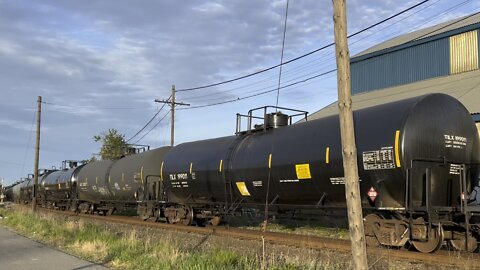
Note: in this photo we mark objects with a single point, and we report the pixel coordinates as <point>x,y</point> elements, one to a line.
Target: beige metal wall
<point>464,52</point>
<point>478,127</point>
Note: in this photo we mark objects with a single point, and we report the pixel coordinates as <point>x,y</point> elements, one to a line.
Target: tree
<point>113,144</point>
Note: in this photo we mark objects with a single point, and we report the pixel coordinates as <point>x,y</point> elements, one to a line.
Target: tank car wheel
<point>188,217</point>
<point>459,242</point>
<point>110,212</point>
<point>171,221</point>
<point>434,243</point>
<point>91,210</point>
<point>215,221</point>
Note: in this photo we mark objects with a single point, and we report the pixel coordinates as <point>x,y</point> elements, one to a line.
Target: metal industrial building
<point>440,59</point>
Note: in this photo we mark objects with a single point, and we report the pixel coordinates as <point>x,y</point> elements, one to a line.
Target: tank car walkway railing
<point>264,125</point>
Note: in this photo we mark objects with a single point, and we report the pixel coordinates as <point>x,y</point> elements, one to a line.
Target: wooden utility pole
<point>172,104</point>
<point>37,155</point>
<point>349,150</point>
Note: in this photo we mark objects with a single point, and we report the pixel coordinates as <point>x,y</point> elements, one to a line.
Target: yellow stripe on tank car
<point>161,171</point>
<point>220,166</point>
<point>397,148</point>
<point>270,161</point>
<point>327,155</point>
<point>141,174</point>
<point>191,167</point>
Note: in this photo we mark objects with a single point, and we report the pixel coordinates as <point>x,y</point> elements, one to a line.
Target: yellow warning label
<point>303,171</point>
<point>243,189</point>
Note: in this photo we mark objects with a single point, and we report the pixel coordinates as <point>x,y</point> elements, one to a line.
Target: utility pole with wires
<point>349,150</point>
<point>37,155</point>
<point>172,104</point>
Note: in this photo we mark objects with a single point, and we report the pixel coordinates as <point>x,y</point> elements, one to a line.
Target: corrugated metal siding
<point>464,52</point>
<point>427,60</point>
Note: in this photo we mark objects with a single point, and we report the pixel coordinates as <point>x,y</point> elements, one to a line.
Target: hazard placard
<point>303,171</point>
<point>242,188</point>
<point>372,194</point>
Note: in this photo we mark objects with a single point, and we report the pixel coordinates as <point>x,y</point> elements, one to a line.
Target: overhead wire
<point>91,107</point>
<point>283,50</point>
<point>323,58</point>
<point>258,94</point>
<point>304,55</point>
<point>316,76</point>
<point>270,86</point>
<point>161,119</point>
<point>149,121</point>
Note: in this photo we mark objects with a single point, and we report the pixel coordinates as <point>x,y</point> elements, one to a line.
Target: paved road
<point>18,252</point>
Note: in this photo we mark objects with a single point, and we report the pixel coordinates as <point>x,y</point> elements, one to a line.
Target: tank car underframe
<point>184,214</point>
<point>396,229</point>
<point>104,208</point>
<point>426,226</point>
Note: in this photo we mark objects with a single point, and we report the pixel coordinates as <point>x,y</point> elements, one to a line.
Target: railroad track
<point>440,258</point>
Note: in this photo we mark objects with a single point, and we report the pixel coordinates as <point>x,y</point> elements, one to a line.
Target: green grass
<point>128,249</point>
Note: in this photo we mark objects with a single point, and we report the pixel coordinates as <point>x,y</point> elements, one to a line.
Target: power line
<point>149,121</point>
<point>283,49</point>
<point>229,101</point>
<point>90,107</point>
<point>450,24</point>
<point>324,58</point>
<point>304,55</point>
<point>163,117</point>
<point>270,86</point>
<point>261,93</point>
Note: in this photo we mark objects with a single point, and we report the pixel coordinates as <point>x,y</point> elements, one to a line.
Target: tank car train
<point>418,161</point>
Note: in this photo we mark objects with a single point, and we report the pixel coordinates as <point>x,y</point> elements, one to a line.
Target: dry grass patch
<point>95,250</point>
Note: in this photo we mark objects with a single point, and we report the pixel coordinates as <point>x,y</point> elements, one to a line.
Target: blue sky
<point>101,64</point>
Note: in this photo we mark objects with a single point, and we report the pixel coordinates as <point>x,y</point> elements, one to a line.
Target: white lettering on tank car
<point>289,180</point>
<point>379,159</point>
<point>455,141</point>
<point>258,183</point>
<point>182,176</point>
<point>339,180</point>
<point>455,169</point>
